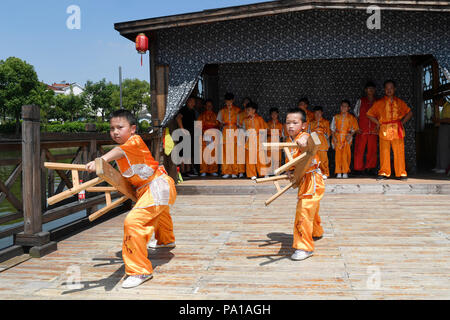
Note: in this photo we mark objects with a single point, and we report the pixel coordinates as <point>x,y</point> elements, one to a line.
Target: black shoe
<point>382,178</point>
<point>317,238</point>
<point>403,178</point>
<point>371,172</point>
<point>358,173</point>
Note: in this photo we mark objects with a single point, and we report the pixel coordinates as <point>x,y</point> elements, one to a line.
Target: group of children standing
<point>339,135</point>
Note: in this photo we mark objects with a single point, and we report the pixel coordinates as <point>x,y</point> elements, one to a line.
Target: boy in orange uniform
<point>343,126</point>
<point>209,121</point>
<point>390,114</point>
<point>228,117</point>
<point>155,191</point>
<point>303,104</point>
<point>322,127</point>
<point>253,153</point>
<point>307,225</point>
<point>241,117</point>
<point>274,128</point>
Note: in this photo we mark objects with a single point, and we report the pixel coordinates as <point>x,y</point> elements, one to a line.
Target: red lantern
<point>141,44</point>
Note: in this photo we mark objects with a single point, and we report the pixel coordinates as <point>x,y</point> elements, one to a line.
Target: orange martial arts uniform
<point>278,126</point>
<point>241,117</point>
<point>209,121</point>
<point>155,191</point>
<point>342,125</point>
<point>228,117</point>
<point>310,191</point>
<point>322,128</point>
<point>253,162</point>
<point>389,114</point>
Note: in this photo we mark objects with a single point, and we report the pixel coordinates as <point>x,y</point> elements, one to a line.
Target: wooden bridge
<point>383,240</point>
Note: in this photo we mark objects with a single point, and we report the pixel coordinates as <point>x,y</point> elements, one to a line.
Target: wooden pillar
<point>31,172</point>
<point>156,143</point>
<point>32,236</point>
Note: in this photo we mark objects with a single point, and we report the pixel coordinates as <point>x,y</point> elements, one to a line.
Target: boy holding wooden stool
<point>310,190</point>
<point>155,191</point>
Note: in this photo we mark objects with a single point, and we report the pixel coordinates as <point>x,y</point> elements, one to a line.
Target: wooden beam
<point>278,194</point>
<point>105,171</point>
<point>11,180</point>
<point>64,166</point>
<point>101,189</point>
<point>11,197</point>
<point>274,178</point>
<point>107,208</point>
<point>72,191</point>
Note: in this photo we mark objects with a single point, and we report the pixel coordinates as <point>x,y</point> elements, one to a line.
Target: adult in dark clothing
<point>185,120</point>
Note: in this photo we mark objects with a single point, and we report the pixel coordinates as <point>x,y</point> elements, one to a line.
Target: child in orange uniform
<point>228,118</point>
<point>274,129</point>
<point>344,127</point>
<point>241,117</point>
<point>322,127</point>
<point>155,191</point>
<point>254,164</point>
<point>209,121</point>
<point>307,225</point>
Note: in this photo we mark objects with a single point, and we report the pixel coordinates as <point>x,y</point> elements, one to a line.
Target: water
<point>6,207</point>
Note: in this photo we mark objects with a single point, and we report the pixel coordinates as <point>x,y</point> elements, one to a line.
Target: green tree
<point>19,86</point>
<point>98,97</point>
<point>135,96</point>
<point>71,106</point>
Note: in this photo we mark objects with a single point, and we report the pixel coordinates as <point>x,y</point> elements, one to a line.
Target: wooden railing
<point>39,183</point>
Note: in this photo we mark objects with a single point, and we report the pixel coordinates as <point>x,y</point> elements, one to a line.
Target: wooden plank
<point>105,171</point>
<point>277,185</point>
<point>279,193</point>
<point>274,178</point>
<point>101,189</point>
<point>107,208</point>
<point>75,178</point>
<point>290,164</point>
<point>288,154</point>
<point>73,207</point>
<point>10,217</point>
<point>310,151</point>
<point>59,171</point>
<point>65,166</point>
<point>108,198</point>
<point>269,145</point>
<point>74,190</point>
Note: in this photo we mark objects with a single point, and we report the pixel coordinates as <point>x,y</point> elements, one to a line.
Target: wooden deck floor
<point>232,247</point>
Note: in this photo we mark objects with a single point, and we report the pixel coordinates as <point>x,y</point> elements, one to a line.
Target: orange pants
<point>208,168</point>
<point>323,156</point>
<point>398,147</point>
<point>150,214</point>
<point>229,167</point>
<point>258,168</point>
<point>307,220</point>
<point>342,159</point>
<point>139,226</point>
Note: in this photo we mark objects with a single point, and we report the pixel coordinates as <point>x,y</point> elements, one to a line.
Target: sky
<point>37,32</point>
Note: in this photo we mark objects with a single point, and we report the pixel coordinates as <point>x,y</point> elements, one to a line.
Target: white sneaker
<point>214,174</point>
<point>339,176</point>
<point>301,255</point>
<point>203,174</point>
<point>324,177</point>
<point>345,176</point>
<point>154,245</point>
<point>134,281</point>
<point>226,176</point>
<point>241,175</point>
<point>253,178</point>
<point>234,176</point>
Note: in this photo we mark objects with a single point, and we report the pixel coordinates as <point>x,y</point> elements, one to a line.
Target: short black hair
<point>253,105</point>
<point>299,111</point>
<point>273,110</point>
<point>370,84</point>
<point>247,98</point>
<point>229,96</point>
<point>122,113</point>
<point>318,108</point>
<point>390,81</point>
<point>303,99</point>
<point>346,101</point>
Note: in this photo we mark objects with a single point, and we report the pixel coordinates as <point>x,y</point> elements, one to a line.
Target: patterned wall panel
<point>311,34</point>
<point>324,82</point>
